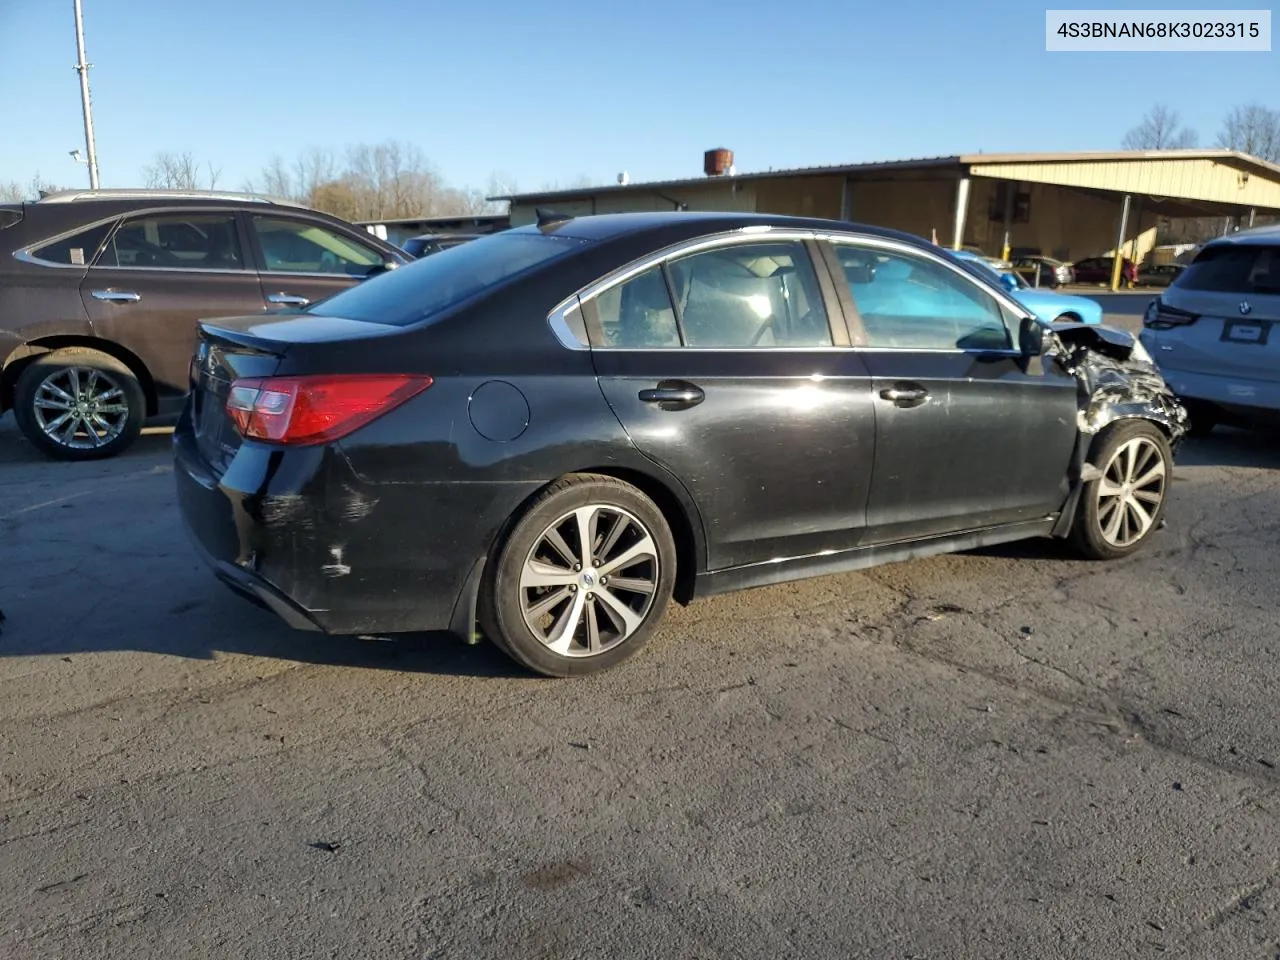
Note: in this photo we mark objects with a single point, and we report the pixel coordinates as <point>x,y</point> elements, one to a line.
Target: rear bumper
<point>298,532</point>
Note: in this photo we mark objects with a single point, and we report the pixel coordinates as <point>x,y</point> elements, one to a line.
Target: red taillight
<point>316,409</point>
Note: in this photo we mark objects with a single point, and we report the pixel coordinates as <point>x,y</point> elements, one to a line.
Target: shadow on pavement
<point>214,624</point>
<point>15,449</point>
<point>1231,447</point>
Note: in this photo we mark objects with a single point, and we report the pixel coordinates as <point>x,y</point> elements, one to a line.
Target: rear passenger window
<point>911,302</point>
<point>78,250</point>
<point>638,314</point>
<point>750,295</point>
<point>176,242</point>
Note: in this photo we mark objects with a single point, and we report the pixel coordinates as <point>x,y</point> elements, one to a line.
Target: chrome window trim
<point>25,255</point>
<point>682,248</point>
<point>559,322</point>
<point>330,276</point>
<point>753,234</point>
<point>199,270</point>
<point>764,233</point>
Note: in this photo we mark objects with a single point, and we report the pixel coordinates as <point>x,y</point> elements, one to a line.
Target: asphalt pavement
<point>1004,753</point>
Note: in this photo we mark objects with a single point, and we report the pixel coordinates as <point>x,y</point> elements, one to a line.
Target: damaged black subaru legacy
<point>545,435</point>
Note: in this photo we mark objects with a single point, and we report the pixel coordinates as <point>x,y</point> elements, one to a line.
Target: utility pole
<point>82,68</point>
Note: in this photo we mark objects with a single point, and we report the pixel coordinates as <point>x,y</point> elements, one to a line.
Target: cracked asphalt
<point>1004,753</point>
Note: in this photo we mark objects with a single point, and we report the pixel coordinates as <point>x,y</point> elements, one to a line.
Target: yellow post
<point>1118,262</point>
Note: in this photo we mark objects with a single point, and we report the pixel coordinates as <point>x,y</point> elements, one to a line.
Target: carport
<point>1064,205</point>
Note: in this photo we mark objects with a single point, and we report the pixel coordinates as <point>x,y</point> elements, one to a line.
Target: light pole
<point>82,68</point>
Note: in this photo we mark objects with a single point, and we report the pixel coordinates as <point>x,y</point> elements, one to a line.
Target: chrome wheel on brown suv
<point>79,404</point>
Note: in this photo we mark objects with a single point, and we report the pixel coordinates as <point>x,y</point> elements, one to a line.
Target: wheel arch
<point>18,360</point>
<point>681,516</point>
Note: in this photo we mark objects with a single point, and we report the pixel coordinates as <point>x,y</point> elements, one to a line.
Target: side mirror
<point>1031,337</point>
<point>382,268</point>
<point>1009,282</point>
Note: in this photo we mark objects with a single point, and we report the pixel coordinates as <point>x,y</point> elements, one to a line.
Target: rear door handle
<point>287,299</point>
<point>117,296</point>
<point>682,393</point>
<point>905,394</point>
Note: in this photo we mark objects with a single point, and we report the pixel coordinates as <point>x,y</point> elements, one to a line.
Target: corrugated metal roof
<point>1270,170</point>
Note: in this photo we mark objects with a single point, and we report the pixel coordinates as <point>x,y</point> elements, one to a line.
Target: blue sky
<point>543,92</point>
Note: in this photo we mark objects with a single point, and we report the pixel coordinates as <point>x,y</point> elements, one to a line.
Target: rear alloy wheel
<point>583,579</point>
<point>1120,509</point>
<point>79,404</point>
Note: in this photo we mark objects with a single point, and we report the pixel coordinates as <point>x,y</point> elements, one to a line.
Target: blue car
<point>1048,306</point>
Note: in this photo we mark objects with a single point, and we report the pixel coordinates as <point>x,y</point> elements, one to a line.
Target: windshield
<point>1232,268</point>
<point>425,287</point>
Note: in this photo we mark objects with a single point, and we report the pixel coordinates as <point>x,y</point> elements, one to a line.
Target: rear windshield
<point>1233,268</point>
<point>418,290</point>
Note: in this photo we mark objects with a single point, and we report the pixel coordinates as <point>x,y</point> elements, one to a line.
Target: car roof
<point>130,195</point>
<point>683,224</point>
<point>1268,235</point>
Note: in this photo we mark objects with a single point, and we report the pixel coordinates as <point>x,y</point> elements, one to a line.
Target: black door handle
<point>681,393</point>
<point>905,394</point>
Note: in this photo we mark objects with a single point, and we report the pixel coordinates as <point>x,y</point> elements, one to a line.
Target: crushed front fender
<point>1118,379</point>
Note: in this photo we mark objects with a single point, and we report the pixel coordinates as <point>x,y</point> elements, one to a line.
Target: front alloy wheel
<point>583,578</point>
<point>1120,509</point>
<point>1131,492</point>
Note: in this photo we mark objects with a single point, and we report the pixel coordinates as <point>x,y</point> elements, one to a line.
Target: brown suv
<point>100,292</point>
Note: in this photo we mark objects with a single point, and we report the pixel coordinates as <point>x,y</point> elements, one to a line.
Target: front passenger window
<point>297,246</point>
<point>912,302</point>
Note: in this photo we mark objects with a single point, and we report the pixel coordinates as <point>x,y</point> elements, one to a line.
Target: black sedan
<point>550,432</point>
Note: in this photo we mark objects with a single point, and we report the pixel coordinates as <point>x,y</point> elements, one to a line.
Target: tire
<point>508,604</point>
<point>1104,525</point>
<point>1066,318</point>
<point>58,384</point>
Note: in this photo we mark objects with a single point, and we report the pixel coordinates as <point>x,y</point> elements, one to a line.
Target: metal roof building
<point>1067,205</point>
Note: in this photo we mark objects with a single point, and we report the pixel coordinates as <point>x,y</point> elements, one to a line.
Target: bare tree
<point>14,192</point>
<point>384,181</point>
<point>1160,129</point>
<point>179,171</point>
<point>1252,129</point>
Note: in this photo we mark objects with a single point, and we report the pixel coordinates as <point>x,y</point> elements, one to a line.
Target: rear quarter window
<point>1232,268</point>
<point>425,287</point>
<point>78,250</point>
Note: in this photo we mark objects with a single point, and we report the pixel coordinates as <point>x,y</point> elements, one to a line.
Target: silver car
<point>1215,332</point>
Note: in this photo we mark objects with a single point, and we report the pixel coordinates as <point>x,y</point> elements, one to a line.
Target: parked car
<point>1040,271</point>
<point>1159,275</point>
<point>555,430</point>
<point>429,243</point>
<point>100,292</point>
<point>1047,305</point>
<point>1098,270</point>
<point>1215,332</point>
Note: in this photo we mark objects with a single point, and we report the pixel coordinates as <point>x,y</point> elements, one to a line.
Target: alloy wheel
<point>590,580</point>
<point>80,408</point>
<point>1131,491</point>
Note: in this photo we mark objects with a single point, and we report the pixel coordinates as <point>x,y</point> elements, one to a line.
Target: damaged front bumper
<point>1118,380</point>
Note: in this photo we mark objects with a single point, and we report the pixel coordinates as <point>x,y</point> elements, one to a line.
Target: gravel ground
<point>1006,753</point>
